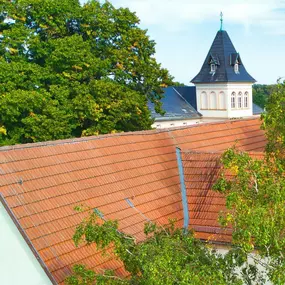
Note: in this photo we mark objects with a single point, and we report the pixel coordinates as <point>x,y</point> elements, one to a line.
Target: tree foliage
<point>256,195</point>
<point>274,123</point>
<point>255,198</point>
<point>261,93</point>
<point>168,256</point>
<point>68,70</point>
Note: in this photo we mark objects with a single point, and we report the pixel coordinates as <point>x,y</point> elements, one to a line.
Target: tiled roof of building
<point>201,170</point>
<point>43,182</point>
<point>175,105</point>
<point>222,53</point>
<point>188,93</point>
<point>256,110</point>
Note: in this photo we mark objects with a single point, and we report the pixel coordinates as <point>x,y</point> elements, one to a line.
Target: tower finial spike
<point>221,28</point>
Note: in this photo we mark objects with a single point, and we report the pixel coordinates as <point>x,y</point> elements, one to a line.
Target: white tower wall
<point>215,100</point>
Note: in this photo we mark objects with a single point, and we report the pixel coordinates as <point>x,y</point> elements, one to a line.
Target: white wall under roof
<point>223,109</point>
<point>183,123</point>
<point>224,249</point>
<point>18,265</point>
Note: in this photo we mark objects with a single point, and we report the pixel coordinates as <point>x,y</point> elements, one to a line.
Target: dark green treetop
<point>69,70</point>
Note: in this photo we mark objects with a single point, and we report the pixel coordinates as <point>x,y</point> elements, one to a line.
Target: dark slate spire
<point>223,57</point>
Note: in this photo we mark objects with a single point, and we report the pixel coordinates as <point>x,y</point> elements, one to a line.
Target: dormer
<point>235,61</point>
<point>213,63</point>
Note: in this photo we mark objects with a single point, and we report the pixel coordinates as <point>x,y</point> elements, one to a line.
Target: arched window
<point>245,100</point>
<point>213,100</point>
<point>233,100</point>
<point>204,100</point>
<point>222,101</point>
<point>239,100</point>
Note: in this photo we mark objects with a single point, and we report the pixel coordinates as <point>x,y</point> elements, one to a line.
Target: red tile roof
<point>43,182</point>
<point>201,171</point>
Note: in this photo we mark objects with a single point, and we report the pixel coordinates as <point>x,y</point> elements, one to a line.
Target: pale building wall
<point>182,123</point>
<point>220,94</point>
<point>224,249</point>
<point>18,265</point>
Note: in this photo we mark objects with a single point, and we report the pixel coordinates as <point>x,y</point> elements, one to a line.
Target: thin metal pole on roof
<point>221,28</point>
<point>133,206</point>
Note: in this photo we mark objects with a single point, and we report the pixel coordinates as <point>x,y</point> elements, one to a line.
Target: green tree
<point>261,94</point>
<point>167,256</point>
<point>274,123</point>
<point>255,198</point>
<point>68,70</point>
<point>255,193</point>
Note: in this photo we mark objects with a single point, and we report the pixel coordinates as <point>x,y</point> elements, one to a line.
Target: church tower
<point>223,86</point>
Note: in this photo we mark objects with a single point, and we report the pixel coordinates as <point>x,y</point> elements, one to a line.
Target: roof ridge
<point>99,137</point>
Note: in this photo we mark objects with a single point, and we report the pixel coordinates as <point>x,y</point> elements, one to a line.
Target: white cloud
<point>174,14</point>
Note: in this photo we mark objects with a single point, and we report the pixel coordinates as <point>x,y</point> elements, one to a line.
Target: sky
<point>185,29</point>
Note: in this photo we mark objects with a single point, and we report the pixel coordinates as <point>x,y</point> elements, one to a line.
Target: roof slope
<point>188,93</point>
<point>222,52</point>
<point>176,107</point>
<point>201,170</point>
<point>43,182</point>
<point>256,109</point>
